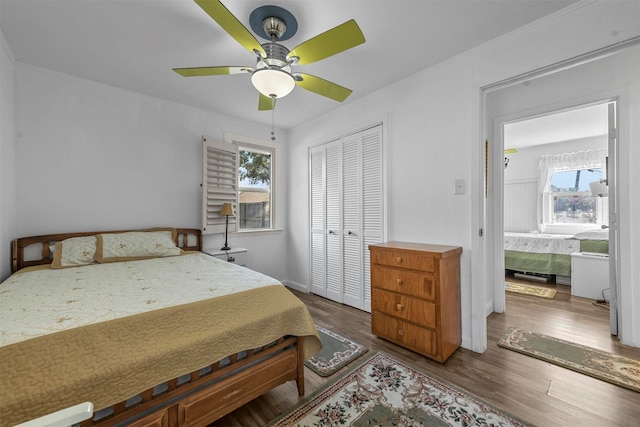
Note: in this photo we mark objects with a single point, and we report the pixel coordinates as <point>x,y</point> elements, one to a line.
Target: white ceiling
<point>578,123</point>
<point>134,44</point>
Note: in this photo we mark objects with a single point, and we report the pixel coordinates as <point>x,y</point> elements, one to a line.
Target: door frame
<point>499,304</point>
<point>483,243</point>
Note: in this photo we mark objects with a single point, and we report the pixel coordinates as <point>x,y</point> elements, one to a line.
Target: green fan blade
<point>336,40</point>
<point>323,87</point>
<point>265,103</point>
<point>211,71</point>
<point>230,24</point>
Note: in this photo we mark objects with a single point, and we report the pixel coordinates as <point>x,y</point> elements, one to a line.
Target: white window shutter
<point>219,184</point>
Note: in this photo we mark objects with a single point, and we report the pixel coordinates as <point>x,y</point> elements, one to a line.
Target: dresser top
<point>440,251</point>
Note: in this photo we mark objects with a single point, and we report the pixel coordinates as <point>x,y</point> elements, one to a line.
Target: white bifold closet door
<point>346,215</point>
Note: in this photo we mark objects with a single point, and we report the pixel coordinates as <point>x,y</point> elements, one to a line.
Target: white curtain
<point>588,159</point>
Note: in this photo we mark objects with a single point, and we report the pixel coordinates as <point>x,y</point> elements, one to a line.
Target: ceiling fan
<point>272,75</point>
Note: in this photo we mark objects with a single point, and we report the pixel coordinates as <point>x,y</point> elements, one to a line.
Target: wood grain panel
<point>404,307</point>
<point>403,281</point>
<point>403,260</point>
<point>418,285</point>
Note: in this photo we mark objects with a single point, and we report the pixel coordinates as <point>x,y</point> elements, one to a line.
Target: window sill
<point>256,232</point>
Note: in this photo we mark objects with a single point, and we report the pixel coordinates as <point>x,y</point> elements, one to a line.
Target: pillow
<point>135,245</point>
<point>74,252</point>
<point>593,235</point>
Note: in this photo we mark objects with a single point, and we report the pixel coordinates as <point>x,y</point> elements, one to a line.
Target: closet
<point>347,215</point>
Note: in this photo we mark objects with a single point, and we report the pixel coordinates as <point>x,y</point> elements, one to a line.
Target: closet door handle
<point>332,232</point>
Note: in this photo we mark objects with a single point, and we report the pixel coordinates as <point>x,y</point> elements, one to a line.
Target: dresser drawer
<point>412,261</point>
<point>405,307</point>
<point>420,285</point>
<point>423,341</point>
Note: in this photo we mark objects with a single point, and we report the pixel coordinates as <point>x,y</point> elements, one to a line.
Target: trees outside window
<point>255,188</point>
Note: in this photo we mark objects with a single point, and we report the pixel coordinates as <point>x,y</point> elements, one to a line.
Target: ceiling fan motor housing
<point>276,56</point>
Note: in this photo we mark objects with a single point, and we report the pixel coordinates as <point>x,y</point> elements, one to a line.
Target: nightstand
<point>235,255</point>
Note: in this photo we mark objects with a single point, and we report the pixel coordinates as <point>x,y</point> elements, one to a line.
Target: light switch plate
<point>461,186</point>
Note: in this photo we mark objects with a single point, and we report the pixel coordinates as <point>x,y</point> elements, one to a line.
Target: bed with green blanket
<point>549,254</point>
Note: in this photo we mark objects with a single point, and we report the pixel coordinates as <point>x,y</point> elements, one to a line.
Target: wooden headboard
<point>189,239</point>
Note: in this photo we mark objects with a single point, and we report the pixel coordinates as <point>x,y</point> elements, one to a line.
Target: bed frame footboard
<point>207,395</point>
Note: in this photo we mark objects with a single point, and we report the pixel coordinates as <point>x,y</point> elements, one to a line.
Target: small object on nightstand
<point>226,210</point>
<point>237,256</point>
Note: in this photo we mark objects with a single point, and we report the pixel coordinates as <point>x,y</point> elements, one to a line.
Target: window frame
<point>549,198</point>
<point>276,209</point>
<point>260,150</point>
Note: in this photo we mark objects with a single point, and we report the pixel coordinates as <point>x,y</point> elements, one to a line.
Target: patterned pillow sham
<point>74,252</point>
<point>135,245</point>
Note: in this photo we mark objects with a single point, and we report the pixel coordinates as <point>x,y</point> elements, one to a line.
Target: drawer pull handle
<point>400,332</point>
<point>399,307</point>
<point>398,260</point>
<point>399,281</point>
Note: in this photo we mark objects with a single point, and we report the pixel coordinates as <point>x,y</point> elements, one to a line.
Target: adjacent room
<point>232,213</point>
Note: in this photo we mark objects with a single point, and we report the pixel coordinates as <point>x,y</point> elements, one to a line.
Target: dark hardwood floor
<point>536,391</point>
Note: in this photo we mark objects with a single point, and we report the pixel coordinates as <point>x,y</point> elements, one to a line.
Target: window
<point>564,183</point>
<point>571,199</point>
<point>240,171</point>
<point>255,176</point>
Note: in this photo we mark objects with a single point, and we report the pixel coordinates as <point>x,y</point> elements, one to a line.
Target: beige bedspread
<point>110,361</point>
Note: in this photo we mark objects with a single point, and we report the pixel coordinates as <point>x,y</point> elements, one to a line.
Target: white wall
<point>521,180</point>
<point>7,159</point>
<point>434,135</point>
<point>523,165</point>
<point>92,157</point>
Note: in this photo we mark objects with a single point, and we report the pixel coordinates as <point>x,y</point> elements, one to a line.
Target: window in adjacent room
<point>255,185</point>
<point>567,200</point>
<point>571,199</point>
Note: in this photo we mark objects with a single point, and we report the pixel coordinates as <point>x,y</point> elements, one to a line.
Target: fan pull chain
<point>273,117</point>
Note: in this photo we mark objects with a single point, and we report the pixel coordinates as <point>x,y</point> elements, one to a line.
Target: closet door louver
<point>318,207</point>
<point>346,215</point>
<point>219,184</point>
<point>352,220</point>
<point>334,223</point>
<point>372,203</point>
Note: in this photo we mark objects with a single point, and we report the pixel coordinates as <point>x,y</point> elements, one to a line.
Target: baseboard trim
<point>296,286</point>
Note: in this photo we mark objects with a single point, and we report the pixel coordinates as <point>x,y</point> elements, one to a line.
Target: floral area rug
<point>386,392</point>
<point>605,366</point>
<point>337,351</point>
<point>537,291</point>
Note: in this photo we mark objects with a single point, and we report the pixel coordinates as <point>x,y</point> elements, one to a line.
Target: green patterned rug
<point>537,291</point>
<point>385,392</point>
<point>609,367</point>
<point>337,351</point>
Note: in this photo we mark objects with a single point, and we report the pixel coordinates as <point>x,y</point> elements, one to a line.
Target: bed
<point>176,339</point>
<point>549,254</point>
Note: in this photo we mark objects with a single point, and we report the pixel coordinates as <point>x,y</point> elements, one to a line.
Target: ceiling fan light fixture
<point>273,82</point>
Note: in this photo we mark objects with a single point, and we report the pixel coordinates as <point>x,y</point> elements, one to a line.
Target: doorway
<point>556,206</point>
<point>584,81</point>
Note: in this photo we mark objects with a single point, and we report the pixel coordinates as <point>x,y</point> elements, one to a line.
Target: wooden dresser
<point>415,296</point>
